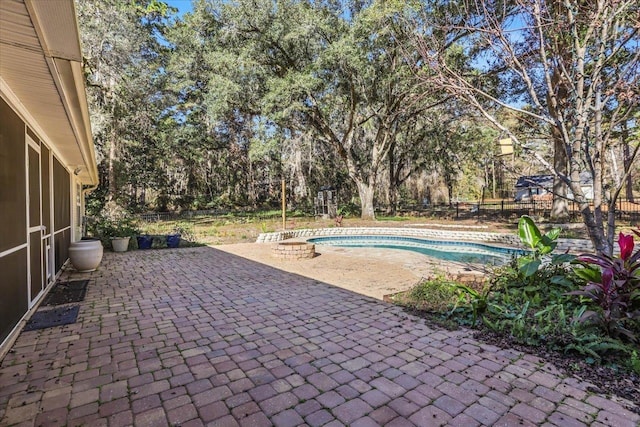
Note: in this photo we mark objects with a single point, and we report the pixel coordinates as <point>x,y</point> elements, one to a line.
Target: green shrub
<point>589,307</point>
<point>436,295</point>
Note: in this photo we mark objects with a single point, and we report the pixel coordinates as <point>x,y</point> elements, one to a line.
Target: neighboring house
<point>46,151</point>
<point>533,186</point>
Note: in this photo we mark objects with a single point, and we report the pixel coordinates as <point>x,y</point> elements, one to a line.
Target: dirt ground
<point>370,271</point>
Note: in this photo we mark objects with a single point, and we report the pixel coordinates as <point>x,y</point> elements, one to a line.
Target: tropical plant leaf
<point>588,274</point>
<point>530,235</point>
<point>546,246</point>
<point>562,258</point>
<point>588,316</point>
<point>528,232</point>
<point>602,261</point>
<point>529,267</point>
<point>561,280</point>
<point>553,234</point>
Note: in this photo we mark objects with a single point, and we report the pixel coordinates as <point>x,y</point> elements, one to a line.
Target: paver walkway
<point>195,337</point>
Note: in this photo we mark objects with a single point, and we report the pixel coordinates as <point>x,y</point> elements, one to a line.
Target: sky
<point>183,6</point>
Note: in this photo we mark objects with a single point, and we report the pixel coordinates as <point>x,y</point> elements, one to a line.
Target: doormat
<point>67,292</point>
<point>54,317</point>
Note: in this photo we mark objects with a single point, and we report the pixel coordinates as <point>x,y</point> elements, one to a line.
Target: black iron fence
<point>172,216</point>
<point>625,210</point>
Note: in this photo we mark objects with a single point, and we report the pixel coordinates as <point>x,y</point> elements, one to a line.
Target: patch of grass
<point>437,295</point>
<point>393,218</point>
<point>243,227</point>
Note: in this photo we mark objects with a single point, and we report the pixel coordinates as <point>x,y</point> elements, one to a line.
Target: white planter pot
<point>85,255</point>
<point>120,244</point>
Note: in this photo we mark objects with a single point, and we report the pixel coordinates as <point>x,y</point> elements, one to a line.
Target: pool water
<point>466,252</point>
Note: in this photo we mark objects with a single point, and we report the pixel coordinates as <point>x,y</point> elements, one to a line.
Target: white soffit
<point>40,63</point>
<point>58,26</point>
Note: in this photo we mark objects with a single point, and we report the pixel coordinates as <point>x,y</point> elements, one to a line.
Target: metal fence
<point>173,216</point>
<point>624,209</point>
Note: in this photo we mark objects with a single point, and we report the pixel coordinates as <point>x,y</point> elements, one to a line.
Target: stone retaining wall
<point>293,250</point>
<point>572,245</point>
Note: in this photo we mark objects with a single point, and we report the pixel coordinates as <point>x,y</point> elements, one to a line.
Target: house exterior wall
<point>526,194</point>
<point>35,218</point>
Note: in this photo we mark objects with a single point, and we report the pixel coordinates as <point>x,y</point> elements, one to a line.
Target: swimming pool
<point>467,252</point>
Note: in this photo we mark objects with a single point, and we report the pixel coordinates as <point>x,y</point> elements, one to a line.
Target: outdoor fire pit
<point>294,250</point>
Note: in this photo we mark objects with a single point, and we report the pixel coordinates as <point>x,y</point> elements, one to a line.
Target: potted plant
<point>173,240</point>
<point>180,231</point>
<point>116,225</point>
<point>145,241</point>
<point>86,254</point>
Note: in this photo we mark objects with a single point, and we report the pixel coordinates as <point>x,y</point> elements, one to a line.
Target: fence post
<point>502,207</point>
<point>457,210</point>
<point>620,209</point>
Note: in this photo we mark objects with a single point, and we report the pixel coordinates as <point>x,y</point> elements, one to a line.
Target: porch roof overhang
<point>41,72</point>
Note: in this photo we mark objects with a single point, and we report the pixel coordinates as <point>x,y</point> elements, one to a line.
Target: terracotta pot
<point>120,244</point>
<point>86,255</point>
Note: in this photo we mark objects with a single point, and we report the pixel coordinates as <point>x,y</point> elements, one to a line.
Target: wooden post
<point>284,207</point>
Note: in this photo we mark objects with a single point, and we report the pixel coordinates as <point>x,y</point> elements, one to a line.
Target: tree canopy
<point>213,108</point>
<point>569,69</point>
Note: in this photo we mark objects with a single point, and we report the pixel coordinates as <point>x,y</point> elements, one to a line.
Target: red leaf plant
<point>614,288</point>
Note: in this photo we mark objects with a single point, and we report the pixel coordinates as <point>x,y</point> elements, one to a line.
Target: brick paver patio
<point>194,337</point>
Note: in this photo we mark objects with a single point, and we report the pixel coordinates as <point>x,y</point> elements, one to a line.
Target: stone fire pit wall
<point>294,250</point>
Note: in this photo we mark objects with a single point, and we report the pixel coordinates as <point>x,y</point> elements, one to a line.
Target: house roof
<point>41,73</point>
<point>546,181</point>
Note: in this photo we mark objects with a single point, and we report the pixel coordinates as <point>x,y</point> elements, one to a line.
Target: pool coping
<point>491,238</point>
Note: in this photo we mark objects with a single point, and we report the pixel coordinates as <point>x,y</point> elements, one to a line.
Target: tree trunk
<point>365,191</point>
<point>626,155</point>
<point>112,192</point>
<point>493,178</point>
<point>253,196</point>
<point>595,229</point>
<point>300,189</point>
<point>560,207</point>
<point>393,200</point>
<point>393,182</point>
<point>448,182</point>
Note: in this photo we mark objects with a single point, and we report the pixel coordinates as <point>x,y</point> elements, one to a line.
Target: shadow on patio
<point>198,336</point>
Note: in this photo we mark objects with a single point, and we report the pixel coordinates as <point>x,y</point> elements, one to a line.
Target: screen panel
<point>13,197</point>
<point>13,288</point>
<point>34,188</point>
<point>35,239</point>
<point>44,186</point>
<point>61,196</point>
<point>62,242</point>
